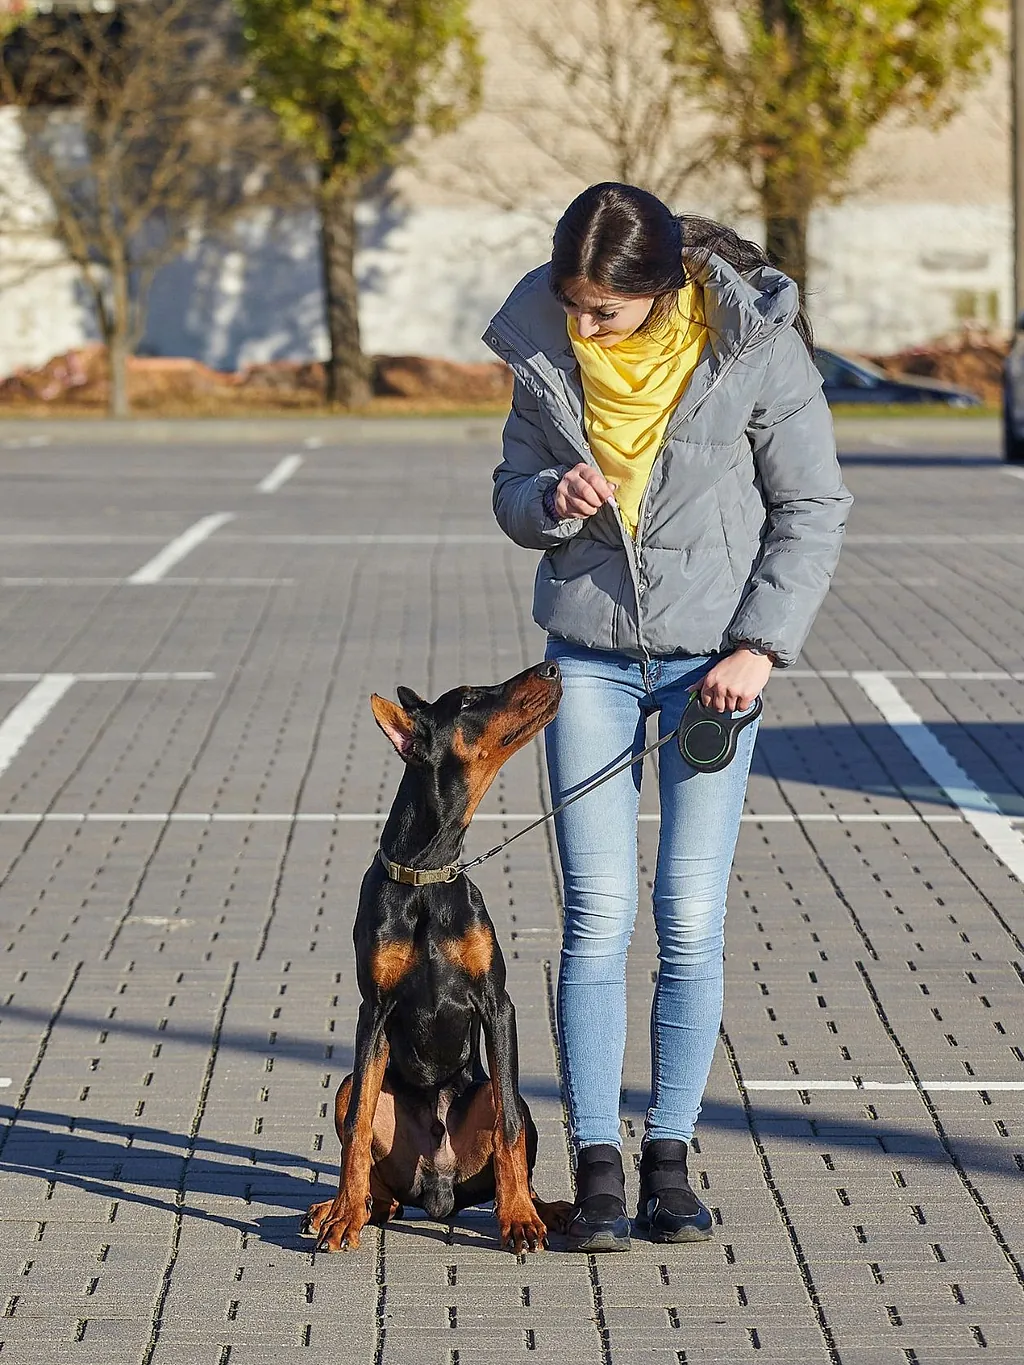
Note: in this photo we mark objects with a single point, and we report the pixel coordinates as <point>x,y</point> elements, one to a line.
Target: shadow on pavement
<point>872,759</point>
<point>166,1171</point>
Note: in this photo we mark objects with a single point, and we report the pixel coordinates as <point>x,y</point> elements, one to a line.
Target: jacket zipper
<point>636,546</point>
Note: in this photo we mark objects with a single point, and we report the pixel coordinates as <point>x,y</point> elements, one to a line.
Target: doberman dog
<point>419,1120</point>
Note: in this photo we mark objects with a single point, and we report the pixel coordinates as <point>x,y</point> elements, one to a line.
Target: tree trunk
<point>786,205</point>
<point>347,370</point>
<point>118,322</point>
<point>786,244</point>
<point>117,356</point>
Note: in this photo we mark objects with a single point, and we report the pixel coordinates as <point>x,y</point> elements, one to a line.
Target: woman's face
<point>603,317</point>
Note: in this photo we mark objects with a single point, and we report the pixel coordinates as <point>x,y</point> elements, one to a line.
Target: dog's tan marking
<point>480,763</point>
<point>519,1222</point>
<point>473,952</point>
<point>481,758</point>
<point>391,961</point>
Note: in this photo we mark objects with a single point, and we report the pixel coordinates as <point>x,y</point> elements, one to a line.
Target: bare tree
<point>139,128</point>
<point>587,87</point>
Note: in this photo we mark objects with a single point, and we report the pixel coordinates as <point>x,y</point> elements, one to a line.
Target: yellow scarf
<point>630,390</point>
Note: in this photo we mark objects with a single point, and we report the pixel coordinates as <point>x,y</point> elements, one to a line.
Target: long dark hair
<point>624,239</point>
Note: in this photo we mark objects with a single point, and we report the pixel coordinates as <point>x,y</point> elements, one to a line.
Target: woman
<point>670,451</point>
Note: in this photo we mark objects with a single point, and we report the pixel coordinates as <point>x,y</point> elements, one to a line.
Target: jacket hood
<point>532,322</point>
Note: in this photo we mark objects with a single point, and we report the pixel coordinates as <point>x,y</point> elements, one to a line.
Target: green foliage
<point>352,79</point>
<point>795,87</point>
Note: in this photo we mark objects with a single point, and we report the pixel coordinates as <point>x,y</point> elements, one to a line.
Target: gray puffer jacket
<point>741,523</point>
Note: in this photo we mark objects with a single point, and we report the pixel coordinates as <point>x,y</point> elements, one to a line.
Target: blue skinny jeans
<point>606,700</point>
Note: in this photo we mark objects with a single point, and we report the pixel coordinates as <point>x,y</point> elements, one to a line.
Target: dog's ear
<point>412,701</point>
<point>396,723</point>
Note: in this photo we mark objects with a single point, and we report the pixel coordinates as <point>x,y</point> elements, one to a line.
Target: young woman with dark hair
<point>671,453</point>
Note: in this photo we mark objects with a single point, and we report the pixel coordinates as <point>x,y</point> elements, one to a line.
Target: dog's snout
<point>550,671</point>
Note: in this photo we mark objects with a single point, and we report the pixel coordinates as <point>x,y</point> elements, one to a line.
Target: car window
<point>829,367</point>
<point>858,378</point>
<point>845,374</point>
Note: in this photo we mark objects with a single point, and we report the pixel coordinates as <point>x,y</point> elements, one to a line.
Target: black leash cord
<point>591,786</point>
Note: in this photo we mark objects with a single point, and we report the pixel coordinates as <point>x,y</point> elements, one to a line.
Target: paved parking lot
<point>190,786</point>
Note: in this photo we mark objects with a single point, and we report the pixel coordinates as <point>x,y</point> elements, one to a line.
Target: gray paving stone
<point>178,999</point>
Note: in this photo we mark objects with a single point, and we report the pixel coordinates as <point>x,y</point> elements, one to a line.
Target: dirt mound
<point>80,380</point>
<point>414,376</point>
<point>972,358</point>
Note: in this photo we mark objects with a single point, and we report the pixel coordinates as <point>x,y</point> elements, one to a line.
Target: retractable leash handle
<point>707,738</point>
<point>707,741</point>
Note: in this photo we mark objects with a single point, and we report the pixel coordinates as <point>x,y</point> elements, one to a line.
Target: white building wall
<point>43,307</point>
<point>883,276</point>
<point>886,276</point>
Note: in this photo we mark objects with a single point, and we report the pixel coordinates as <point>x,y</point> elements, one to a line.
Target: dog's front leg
<point>350,1211</point>
<point>519,1223</point>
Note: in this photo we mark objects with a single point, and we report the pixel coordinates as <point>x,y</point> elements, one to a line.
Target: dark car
<point>1013,398</point>
<point>858,381</point>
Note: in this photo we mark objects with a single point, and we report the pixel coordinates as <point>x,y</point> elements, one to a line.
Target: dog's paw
<point>340,1227</point>
<point>314,1217</point>
<point>521,1230</point>
<point>557,1215</point>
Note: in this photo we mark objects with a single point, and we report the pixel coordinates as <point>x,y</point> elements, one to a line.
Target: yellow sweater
<point>630,390</point>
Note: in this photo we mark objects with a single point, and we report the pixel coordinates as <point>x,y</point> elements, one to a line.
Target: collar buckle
<point>415,876</point>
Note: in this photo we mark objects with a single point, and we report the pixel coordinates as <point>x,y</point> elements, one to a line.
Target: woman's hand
<point>736,680</point>
<point>582,492</point>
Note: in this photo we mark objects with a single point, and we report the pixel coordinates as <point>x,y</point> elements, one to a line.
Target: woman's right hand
<point>582,492</point>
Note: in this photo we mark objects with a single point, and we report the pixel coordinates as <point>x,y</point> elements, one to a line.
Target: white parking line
<point>40,538</point>
<point>989,538</point>
<point>928,674</point>
<point>930,1086</point>
<point>19,723</point>
<point>160,583</point>
<point>29,713</point>
<point>280,474</point>
<point>1014,473</point>
<point>172,554</point>
<point>378,817</point>
<point>385,538</point>
<point>113,677</point>
<point>976,806</point>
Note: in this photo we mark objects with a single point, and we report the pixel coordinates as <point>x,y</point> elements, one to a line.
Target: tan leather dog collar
<point>414,876</point>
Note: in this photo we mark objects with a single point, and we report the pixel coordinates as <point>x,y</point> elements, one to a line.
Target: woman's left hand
<point>735,681</point>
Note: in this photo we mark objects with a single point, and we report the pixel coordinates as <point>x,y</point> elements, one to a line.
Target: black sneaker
<point>599,1221</point>
<point>668,1209</point>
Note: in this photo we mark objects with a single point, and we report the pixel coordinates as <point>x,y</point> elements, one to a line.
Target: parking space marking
<point>23,719</point>
<point>928,674</point>
<point>983,538</point>
<point>280,474</point>
<point>384,538</point>
<point>858,1084</point>
<point>134,583</point>
<point>175,552</point>
<point>1014,473</point>
<point>113,677</point>
<point>42,538</point>
<point>26,442</point>
<point>19,723</point>
<point>378,817</point>
<point>976,806</point>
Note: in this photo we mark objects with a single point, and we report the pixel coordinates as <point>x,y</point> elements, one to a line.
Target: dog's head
<point>468,733</point>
